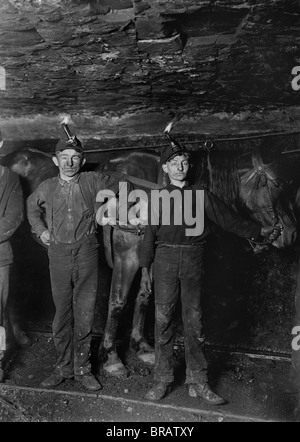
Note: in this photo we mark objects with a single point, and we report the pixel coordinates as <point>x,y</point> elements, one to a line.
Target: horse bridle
<point>264,170</point>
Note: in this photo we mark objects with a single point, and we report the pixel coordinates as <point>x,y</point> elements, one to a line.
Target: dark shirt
<point>11,212</point>
<point>66,208</point>
<point>215,211</point>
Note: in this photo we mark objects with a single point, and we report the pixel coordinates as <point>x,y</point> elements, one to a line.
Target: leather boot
<point>89,382</point>
<point>205,392</point>
<point>53,380</point>
<point>158,391</point>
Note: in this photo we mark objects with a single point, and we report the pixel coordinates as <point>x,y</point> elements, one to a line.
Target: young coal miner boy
<point>177,250</point>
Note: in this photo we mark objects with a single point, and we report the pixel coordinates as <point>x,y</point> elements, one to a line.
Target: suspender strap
<point>87,193</point>
<point>52,188</point>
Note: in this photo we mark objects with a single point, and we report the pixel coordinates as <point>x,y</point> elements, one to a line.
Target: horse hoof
<point>147,358</point>
<point>117,370</point>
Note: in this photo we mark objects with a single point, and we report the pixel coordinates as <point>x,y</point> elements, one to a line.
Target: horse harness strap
<point>137,230</point>
<point>134,180</point>
<point>262,170</point>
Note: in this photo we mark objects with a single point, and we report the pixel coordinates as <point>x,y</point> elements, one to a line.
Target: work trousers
<point>295,367</point>
<point>74,283</point>
<point>4,289</point>
<point>179,270</point>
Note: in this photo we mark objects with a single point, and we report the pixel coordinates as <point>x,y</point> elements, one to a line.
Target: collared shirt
<point>215,211</point>
<point>65,207</point>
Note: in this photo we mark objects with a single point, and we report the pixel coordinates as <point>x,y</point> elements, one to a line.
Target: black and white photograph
<point>149,213</point>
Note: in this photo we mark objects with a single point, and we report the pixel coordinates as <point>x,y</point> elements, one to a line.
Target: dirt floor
<point>253,386</point>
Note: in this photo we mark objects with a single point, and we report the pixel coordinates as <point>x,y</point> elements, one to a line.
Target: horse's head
<point>266,196</point>
<point>257,191</point>
<point>32,166</point>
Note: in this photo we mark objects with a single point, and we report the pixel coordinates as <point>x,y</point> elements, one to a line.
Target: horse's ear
<point>24,160</point>
<point>23,157</point>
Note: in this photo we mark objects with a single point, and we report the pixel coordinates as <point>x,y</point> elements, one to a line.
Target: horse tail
<point>107,240</point>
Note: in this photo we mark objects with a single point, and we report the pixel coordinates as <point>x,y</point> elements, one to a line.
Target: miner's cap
<point>73,143</point>
<point>172,150</point>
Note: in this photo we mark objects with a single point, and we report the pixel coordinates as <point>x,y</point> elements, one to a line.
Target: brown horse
<point>255,189</point>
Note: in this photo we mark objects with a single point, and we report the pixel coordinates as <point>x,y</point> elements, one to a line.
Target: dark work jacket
<point>11,212</point>
<point>215,211</point>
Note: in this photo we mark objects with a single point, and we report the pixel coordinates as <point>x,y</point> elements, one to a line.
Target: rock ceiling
<point>123,68</point>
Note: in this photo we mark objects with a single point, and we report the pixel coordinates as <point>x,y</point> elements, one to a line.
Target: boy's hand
<point>45,237</point>
<point>271,232</point>
<point>146,281</point>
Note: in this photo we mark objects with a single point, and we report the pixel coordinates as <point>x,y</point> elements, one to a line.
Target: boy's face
<point>177,168</point>
<point>69,162</point>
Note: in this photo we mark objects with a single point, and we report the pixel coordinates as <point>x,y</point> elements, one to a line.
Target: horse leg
<point>138,342</point>
<point>124,271</point>
<point>22,339</point>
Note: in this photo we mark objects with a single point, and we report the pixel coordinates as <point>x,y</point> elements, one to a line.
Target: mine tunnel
<point>227,74</point>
